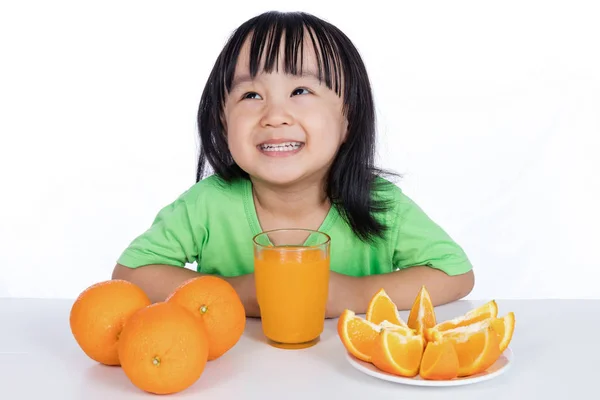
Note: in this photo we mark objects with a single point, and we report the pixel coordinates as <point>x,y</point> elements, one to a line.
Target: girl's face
<point>283,129</point>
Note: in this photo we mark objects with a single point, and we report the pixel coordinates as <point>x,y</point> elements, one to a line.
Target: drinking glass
<point>291,272</point>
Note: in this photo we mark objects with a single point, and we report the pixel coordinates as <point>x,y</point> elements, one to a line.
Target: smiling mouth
<point>285,147</point>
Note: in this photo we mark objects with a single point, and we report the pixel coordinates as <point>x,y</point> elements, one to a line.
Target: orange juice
<point>292,284</point>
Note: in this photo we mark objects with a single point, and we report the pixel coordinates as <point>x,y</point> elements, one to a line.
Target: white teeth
<point>287,146</point>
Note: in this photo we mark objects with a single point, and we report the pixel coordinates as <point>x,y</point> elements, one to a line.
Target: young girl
<point>287,124</point>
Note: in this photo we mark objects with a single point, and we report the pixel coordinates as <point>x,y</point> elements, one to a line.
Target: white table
<point>555,345</point>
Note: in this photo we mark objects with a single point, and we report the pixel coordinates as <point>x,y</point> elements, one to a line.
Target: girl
<point>287,124</point>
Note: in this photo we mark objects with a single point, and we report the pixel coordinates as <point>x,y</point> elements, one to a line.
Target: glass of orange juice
<point>291,273</point>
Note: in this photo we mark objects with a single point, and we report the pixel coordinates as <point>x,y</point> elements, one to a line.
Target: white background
<point>489,109</point>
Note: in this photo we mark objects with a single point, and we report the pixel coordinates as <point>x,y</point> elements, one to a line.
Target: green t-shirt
<point>213,224</point>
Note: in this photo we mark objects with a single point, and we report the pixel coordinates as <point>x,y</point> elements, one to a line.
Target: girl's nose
<point>276,115</point>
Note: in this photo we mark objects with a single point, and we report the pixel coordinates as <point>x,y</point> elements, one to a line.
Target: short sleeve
<point>421,241</point>
<point>170,240</point>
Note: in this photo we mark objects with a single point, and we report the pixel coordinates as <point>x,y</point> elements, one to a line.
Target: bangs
<point>297,31</point>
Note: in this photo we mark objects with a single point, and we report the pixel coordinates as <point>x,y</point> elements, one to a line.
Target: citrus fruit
<point>163,348</point>
<point>397,353</point>
<point>505,328</point>
<point>486,311</point>
<point>422,315</point>
<point>99,314</point>
<point>382,308</point>
<point>403,329</point>
<point>216,302</point>
<point>439,362</point>
<point>357,334</point>
<point>477,347</point>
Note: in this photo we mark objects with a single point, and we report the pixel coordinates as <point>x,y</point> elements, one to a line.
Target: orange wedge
<point>382,308</point>
<point>357,334</point>
<point>505,328</point>
<point>421,316</point>
<point>439,362</point>
<point>397,353</point>
<point>477,347</point>
<point>486,311</point>
<point>403,329</point>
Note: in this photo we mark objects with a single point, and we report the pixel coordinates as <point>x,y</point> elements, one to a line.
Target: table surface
<point>553,356</point>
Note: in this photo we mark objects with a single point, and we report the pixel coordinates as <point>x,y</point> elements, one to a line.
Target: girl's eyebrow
<point>244,78</point>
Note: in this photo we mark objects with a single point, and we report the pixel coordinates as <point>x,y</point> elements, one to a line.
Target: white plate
<point>498,368</point>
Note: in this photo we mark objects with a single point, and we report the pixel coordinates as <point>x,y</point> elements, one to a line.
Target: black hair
<point>352,178</point>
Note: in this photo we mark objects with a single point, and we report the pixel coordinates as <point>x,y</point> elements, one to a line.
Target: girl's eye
<point>300,91</point>
<point>251,95</point>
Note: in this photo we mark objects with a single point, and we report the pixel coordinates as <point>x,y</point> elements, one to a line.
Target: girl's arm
<point>402,286</point>
<point>159,281</point>
<point>423,254</point>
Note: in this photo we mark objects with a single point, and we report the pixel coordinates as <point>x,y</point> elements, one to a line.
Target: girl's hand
<point>244,286</point>
<point>344,292</point>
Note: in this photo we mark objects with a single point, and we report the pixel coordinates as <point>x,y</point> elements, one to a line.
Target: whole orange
<point>99,314</point>
<point>163,348</point>
<point>216,302</point>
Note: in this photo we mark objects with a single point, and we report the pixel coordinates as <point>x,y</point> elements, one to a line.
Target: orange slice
<point>382,308</point>
<point>486,311</point>
<point>403,329</point>
<point>505,328</point>
<point>477,347</point>
<point>357,334</point>
<point>421,315</point>
<point>439,362</point>
<point>397,354</point>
